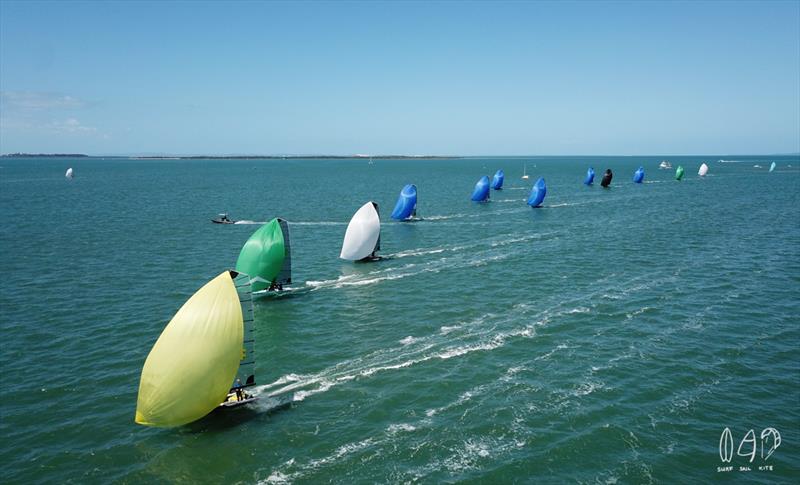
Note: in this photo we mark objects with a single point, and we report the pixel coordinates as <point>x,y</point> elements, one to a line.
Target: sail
<point>497,180</point>
<point>703,170</point>
<point>589,176</point>
<point>246,373</point>
<point>192,365</point>
<point>406,203</point>
<point>285,275</point>
<point>607,178</point>
<point>69,173</point>
<point>538,192</point>
<point>679,172</point>
<point>363,235</point>
<point>638,176</point>
<point>481,191</point>
<point>772,167</point>
<point>265,256</point>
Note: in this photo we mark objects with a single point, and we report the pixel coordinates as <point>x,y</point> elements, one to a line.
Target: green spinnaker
<point>679,173</point>
<point>263,255</point>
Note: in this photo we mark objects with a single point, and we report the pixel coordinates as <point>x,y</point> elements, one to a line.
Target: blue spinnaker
<point>497,181</point>
<point>638,175</point>
<point>589,176</point>
<point>481,192</point>
<point>406,206</point>
<point>538,192</point>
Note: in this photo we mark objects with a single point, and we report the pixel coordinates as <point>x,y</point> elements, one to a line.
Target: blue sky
<point>466,78</point>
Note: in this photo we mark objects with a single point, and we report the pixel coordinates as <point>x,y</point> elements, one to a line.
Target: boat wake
<point>486,333</point>
<point>452,257</point>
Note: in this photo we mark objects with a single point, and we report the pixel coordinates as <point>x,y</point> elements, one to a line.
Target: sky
<point>443,78</point>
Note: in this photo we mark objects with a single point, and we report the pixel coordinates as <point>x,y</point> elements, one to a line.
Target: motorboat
<point>223,219</point>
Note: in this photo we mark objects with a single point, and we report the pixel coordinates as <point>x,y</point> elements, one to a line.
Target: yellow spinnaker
<point>191,367</point>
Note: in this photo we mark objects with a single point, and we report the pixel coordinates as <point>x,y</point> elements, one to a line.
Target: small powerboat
<point>223,219</point>
<point>664,165</point>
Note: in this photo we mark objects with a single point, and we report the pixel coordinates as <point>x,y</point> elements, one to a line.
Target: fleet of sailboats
<point>205,356</point>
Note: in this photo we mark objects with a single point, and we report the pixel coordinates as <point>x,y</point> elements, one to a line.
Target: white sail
<point>69,173</point>
<point>363,233</point>
<point>703,170</point>
<point>772,167</point>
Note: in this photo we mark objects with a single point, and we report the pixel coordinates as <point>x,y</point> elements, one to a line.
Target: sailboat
<point>679,173</point>
<point>703,170</point>
<point>538,192</point>
<point>481,191</point>
<point>406,207</point>
<point>497,180</point>
<point>363,236</point>
<point>607,178</point>
<point>772,167</point>
<point>638,175</point>
<point>525,172</point>
<point>203,358</point>
<point>589,180</point>
<point>69,173</point>
<point>267,257</point>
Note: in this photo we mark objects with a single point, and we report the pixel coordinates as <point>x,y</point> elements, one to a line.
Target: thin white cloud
<point>70,126</point>
<point>31,101</point>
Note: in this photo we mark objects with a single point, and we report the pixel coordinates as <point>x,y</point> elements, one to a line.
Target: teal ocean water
<point>608,337</point>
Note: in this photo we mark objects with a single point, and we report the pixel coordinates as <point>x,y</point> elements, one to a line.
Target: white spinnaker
<point>703,170</point>
<point>69,173</point>
<point>362,234</point>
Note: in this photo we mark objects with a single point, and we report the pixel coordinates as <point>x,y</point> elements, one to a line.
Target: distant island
<point>228,157</point>
<point>290,157</point>
<point>44,155</point>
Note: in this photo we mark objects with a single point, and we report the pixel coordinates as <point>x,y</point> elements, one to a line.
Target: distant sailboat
<point>589,180</point>
<point>525,172</point>
<point>406,206</point>
<point>363,236</point>
<point>538,192</point>
<point>267,257</point>
<point>664,165</point>
<point>69,173</point>
<point>203,357</point>
<point>772,167</point>
<point>638,175</point>
<point>497,180</point>
<point>481,191</point>
<point>703,170</point>
<point>679,173</point>
<point>607,178</point>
